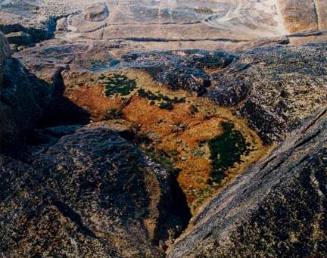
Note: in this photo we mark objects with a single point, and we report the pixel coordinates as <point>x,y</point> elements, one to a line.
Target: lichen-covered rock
<point>179,69</point>
<point>275,87</point>
<point>276,209</point>
<point>91,194</point>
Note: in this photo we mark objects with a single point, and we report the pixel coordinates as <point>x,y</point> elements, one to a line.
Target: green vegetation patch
<point>117,85</point>
<point>163,101</point>
<point>226,150</point>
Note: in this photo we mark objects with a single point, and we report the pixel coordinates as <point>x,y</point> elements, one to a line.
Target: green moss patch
<point>117,85</point>
<point>226,150</point>
<point>163,101</point>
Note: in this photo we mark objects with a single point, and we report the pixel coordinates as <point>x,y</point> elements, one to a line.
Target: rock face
<point>23,99</point>
<point>4,54</point>
<point>304,16</point>
<point>277,208</point>
<point>90,194</point>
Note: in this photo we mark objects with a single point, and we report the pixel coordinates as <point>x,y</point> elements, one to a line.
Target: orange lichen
<point>181,133</point>
<point>92,99</point>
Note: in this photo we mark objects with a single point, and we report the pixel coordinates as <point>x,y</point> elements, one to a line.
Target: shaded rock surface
<point>277,208</point>
<point>87,194</point>
<point>23,100</point>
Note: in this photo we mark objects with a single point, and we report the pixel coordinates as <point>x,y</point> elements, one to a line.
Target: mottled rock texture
<point>275,209</point>
<point>274,87</point>
<point>87,194</point>
<point>304,15</point>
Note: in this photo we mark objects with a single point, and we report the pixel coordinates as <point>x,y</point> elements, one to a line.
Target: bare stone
<point>97,12</point>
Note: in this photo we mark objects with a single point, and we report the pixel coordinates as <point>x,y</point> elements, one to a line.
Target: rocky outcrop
<point>274,87</point>
<point>275,209</point>
<point>23,99</point>
<point>88,194</point>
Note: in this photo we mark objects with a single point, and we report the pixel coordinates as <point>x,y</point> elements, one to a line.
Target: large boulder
<point>90,194</point>
<point>276,209</point>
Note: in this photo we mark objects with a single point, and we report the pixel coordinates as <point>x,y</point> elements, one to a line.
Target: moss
<point>166,105</point>
<point>164,101</point>
<point>226,150</point>
<point>118,84</point>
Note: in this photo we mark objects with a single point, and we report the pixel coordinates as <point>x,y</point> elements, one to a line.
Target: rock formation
<point>277,208</point>
<point>304,16</point>
<point>163,128</point>
<point>88,194</point>
<point>23,99</point>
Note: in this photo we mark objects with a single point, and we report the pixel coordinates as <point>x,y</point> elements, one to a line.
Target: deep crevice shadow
<point>61,110</point>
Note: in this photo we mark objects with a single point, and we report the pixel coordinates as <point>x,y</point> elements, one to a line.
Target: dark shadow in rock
<point>61,110</point>
<point>179,210</point>
<point>28,36</point>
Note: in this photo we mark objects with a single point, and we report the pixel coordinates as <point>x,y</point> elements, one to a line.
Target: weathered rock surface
<point>87,192</point>
<point>90,194</point>
<point>274,87</point>
<point>97,12</point>
<point>275,209</point>
<point>304,16</point>
<point>164,24</point>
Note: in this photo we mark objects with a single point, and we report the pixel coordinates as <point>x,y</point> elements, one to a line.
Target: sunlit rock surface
<point>164,24</point>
